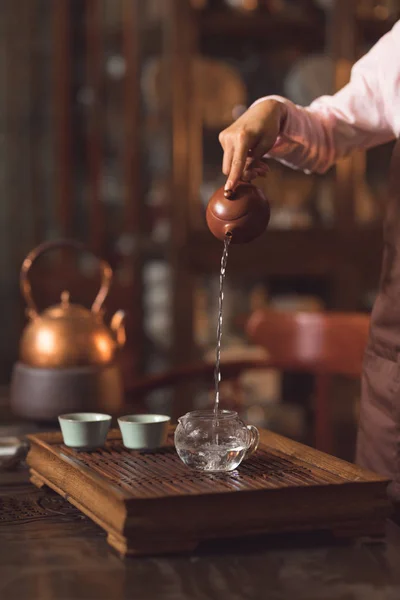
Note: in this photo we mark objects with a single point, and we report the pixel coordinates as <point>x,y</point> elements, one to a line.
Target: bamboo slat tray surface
<point>151,503</point>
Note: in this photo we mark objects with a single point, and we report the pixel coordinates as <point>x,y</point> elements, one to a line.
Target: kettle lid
<point>66,310</point>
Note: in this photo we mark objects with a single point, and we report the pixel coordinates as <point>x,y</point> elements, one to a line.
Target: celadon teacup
<point>85,431</point>
<point>144,432</point>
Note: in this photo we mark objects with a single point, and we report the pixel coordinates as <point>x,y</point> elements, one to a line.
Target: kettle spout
<point>118,328</point>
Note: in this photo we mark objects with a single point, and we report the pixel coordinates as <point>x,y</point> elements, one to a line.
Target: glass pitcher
<point>205,441</point>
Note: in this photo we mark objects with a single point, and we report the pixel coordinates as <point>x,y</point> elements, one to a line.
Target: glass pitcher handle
<point>254,441</point>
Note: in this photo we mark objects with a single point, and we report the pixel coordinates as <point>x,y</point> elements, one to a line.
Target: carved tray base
<point>151,503</point>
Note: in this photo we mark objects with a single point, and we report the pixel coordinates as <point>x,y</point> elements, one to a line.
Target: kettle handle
<point>26,288</point>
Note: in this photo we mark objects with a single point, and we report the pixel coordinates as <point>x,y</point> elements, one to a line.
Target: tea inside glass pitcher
<point>205,443</point>
<point>214,458</point>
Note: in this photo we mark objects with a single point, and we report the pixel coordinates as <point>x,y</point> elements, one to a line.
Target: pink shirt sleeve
<point>365,113</point>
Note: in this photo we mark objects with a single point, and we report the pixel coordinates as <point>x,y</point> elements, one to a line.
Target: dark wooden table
<point>49,551</point>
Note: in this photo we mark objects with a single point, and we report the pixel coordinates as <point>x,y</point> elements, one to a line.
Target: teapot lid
<point>234,205</point>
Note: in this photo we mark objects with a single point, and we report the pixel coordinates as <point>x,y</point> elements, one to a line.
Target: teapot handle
<point>26,288</point>
<point>254,441</point>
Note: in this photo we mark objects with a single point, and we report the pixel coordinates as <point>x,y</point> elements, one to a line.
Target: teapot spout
<point>118,328</point>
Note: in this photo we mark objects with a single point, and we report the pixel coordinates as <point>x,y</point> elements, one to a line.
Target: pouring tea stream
<point>234,217</point>
<point>218,440</point>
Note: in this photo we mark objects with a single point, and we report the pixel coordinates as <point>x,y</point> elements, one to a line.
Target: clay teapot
<point>243,214</point>
<point>68,335</point>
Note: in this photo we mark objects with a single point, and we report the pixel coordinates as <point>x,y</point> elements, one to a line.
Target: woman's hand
<point>247,140</point>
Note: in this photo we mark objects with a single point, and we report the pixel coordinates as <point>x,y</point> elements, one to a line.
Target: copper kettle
<point>69,335</point>
<point>243,214</point>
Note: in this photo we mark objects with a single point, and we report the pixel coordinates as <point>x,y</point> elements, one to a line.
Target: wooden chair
<point>320,343</point>
<point>323,344</point>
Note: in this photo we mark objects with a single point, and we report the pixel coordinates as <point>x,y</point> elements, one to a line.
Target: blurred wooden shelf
<point>315,252</point>
<point>372,29</point>
<point>272,28</point>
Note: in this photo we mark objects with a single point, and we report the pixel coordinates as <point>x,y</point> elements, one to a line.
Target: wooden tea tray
<point>151,503</point>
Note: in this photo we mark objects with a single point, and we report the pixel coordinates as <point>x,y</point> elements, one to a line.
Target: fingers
<point>255,168</point>
<point>247,172</point>
<point>238,163</point>
<point>249,139</point>
<point>250,175</point>
<point>227,160</point>
<point>236,147</point>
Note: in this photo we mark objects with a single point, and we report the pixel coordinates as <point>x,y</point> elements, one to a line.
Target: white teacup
<point>84,431</point>
<point>144,432</point>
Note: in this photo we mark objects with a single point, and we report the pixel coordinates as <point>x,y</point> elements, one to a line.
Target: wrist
<point>281,111</point>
